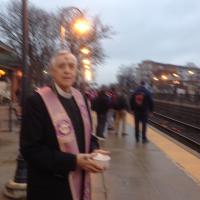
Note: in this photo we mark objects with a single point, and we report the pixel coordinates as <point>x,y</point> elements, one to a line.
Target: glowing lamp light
<point>2,73</point>
<point>175,75</point>
<point>164,77</point>
<point>190,72</point>
<point>87,67</point>
<point>82,26</point>
<point>85,51</point>
<point>45,72</point>
<point>155,79</point>
<point>88,75</point>
<point>86,61</point>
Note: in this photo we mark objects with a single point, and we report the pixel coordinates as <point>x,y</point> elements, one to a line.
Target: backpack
<point>139,99</point>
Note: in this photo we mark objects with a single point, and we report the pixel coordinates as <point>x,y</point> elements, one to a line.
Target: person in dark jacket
<point>121,107</point>
<point>112,95</point>
<point>56,140</point>
<point>141,103</point>
<point>101,106</point>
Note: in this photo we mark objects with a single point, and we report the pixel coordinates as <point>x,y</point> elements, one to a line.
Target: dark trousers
<point>143,119</point>
<point>101,124</point>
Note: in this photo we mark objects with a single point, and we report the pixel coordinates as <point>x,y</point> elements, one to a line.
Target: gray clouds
<point>161,30</point>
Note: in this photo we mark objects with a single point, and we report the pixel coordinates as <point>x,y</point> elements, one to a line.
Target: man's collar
<point>61,92</point>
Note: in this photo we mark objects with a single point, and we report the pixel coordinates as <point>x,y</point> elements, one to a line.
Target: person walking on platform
<point>101,106</point>
<point>56,137</point>
<point>141,104</point>
<point>111,112</point>
<point>121,107</point>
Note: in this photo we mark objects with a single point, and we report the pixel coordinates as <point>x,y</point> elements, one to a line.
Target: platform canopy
<point>8,58</point>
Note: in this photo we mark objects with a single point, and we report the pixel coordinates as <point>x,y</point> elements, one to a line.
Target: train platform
<point>163,169</point>
<point>160,170</point>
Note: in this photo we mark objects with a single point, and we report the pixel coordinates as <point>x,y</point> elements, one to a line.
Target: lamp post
<point>75,25</point>
<point>24,53</point>
<point>16,189</point>
<point>85,51</point>
<point>21,175</point>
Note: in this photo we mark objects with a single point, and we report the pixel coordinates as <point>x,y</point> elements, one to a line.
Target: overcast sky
<point>160,30</point>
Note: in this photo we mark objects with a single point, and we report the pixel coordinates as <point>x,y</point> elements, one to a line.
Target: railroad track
<point>183,132</point>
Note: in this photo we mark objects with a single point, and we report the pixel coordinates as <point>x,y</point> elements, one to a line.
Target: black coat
<point>121,103</point>
<point>101,104</point>
<point>48,167</point>
<point>147,104</point>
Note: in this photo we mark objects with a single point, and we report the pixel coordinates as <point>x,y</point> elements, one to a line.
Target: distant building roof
<point>8,58</point>
<point>170,65</point>
<point>4,48</point>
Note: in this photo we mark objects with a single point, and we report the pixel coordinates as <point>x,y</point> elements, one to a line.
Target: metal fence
<point>9,119</point>
<point>179,98</point>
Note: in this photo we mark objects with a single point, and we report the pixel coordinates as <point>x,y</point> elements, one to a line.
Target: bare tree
<point>126,76</point>
<point>92,39</point>
<point>191,64</point>
<point>44,37</point>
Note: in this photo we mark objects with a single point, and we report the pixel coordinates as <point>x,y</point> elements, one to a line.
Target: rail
<point>178,135</point>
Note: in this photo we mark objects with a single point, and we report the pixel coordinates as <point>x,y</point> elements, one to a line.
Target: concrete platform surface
<point>145,172</point>
<point>137,171</point>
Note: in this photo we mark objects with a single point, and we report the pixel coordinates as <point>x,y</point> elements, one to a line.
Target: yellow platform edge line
<point>185,160</point>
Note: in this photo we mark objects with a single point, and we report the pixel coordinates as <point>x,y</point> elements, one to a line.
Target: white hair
<point>58,53</point>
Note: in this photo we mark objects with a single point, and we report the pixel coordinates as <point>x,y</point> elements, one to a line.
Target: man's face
<point>64,71</point>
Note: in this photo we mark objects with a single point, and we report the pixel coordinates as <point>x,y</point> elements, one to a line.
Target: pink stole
<point>66,135</point>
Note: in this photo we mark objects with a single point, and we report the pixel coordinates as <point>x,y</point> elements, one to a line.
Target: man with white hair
<point>56,137</point>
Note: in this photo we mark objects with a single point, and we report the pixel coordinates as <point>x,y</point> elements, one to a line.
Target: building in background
<point>10,74</point>
<point>169,78</point>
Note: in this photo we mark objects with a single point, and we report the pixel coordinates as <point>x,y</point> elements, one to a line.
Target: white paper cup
<point>102,160</point>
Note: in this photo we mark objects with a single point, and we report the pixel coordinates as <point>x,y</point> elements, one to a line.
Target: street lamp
<point>2,73</point>
<point>86,61</point>
<point>85,51</point>
<point>87,67</point>
<point>164,77</point>
<point>45,72</point>
<point>88,75</point>
<point>155,78</point>
<point>175,75</point>
<point>73,22</point>
<point>82,26</point>
<point>75,29</point>
<point>191,72</point>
